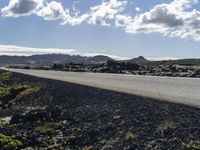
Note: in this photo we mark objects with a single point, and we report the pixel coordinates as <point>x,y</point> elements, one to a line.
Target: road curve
<point>179,90</point>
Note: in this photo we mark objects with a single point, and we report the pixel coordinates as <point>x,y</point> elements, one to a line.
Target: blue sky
<point>154,29</point>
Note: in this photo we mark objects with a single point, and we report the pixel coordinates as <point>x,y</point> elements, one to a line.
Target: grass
<point>47,127</point>
<point>87,148</point>
<point>27,91</point>
<point>8,142</point>
<point>15,90</point>
<point>129,136</point>
<point>164,127</point>
<point>192,145</point>
<point>4,91</point>
<point>5,76</point>
<point>116,117</point>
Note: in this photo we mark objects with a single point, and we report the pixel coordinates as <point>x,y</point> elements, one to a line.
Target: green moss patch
<point>27,91</point>
<point>8,142</point>
<point>47,127</point>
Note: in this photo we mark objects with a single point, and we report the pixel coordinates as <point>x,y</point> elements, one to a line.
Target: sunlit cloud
<point>28,51</point>
<point>174,19</point>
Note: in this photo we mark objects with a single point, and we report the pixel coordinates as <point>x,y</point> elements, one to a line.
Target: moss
<point>27,91</point>
<point>192,145</point>
<point>164,127</point>
<point>47,127</point>
<point>129,136</point>
<point>8,142</point>
<point>88,148</point>
<point>116,117</point>
<point>5,76</point>
<point>4,91</point>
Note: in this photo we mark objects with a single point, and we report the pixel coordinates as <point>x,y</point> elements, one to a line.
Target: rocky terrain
<point>173,70</point>
<point>169,70</point>
<point>46,114</point>
<point>137,66</point>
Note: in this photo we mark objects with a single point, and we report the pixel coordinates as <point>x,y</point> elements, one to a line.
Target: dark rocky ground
<point>58,115</point>
<point>127,67</point>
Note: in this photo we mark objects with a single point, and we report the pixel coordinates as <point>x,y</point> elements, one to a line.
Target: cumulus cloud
<point>13,50</point>
<point>27,51</point>
<point>163,58</point>
<point>122,21</point>
<point>18,8</point>
<point>137,9</point>
<point>74,20</point>
<point>52,11</point>
<point>106,54</point>
<point>173,19</point>
<point>101,14</point>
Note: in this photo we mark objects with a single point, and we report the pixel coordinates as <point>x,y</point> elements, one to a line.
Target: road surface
<point>179,90</point>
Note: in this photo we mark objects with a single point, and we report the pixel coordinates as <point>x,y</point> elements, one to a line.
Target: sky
<point>122,29</point>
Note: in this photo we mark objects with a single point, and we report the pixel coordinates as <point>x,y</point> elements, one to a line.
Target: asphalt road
<point>179,90</point>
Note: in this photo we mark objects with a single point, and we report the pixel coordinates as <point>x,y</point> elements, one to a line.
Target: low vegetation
<point>9,143</point>
<point>192,145</point>
<point>27,91</point>
<point>47,127</point>
<point>165,126</point>
<point>11,91</point>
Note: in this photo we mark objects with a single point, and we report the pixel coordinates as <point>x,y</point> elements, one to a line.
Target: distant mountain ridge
<point>48,59</point>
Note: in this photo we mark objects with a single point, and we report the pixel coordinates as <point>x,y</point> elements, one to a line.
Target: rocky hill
<point>49,59</point>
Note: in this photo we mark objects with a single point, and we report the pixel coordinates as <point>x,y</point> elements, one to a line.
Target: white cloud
<point>162,58</point>
<point>137,9</point>
<point>74,20</point>
<point>122,21</point>
<point>55,11</point>
<point>18,8</point>
<point>174,19</point>
<point>27,51</point>
<point>106,54</point>
<point>52,11</point>
<point>13,50</point>
<point>101,14</point>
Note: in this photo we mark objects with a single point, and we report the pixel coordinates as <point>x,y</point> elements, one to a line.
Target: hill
<point>49,59</point>
<point>183,62</point>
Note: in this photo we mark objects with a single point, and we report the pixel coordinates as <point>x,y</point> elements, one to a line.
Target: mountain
<point>139,60</point>
<point>98,59</point>
<point>49,59</point>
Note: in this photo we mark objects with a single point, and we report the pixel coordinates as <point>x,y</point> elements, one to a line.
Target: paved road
<point>180,90</point>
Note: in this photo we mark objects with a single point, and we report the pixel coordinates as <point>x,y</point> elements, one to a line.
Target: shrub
<point>8,142</point>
